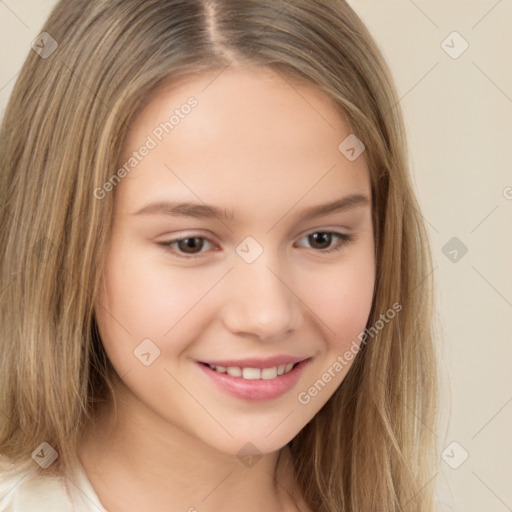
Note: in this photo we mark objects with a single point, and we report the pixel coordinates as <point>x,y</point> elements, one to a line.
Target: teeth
<point>269,373</point>
<point>254,373</point>
<point>233,371</point>
<point>251,373</point>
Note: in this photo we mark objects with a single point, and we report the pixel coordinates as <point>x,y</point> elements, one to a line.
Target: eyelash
<point>344,239</point>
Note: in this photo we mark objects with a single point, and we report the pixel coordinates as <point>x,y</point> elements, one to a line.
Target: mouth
<point>253,383</point>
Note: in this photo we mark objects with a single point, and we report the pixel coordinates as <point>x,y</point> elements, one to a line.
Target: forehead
<point>253,136</point>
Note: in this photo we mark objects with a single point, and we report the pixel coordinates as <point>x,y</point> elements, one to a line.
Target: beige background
<point>458,113</point>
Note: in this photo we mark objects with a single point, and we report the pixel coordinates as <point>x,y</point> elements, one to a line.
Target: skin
<point>268,151</point>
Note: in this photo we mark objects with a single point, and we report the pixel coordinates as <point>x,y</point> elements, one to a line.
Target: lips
<point>255,389</point>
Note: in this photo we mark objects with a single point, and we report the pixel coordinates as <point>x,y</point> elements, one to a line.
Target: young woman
<point>215,276</point>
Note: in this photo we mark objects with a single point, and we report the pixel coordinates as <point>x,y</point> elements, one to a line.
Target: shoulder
<point>27,491</point>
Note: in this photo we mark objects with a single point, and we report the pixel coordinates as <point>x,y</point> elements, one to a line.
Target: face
<point>220,254</point>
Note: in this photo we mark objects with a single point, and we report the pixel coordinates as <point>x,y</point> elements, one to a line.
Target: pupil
<point>189,244</point>
<point>323,238</point>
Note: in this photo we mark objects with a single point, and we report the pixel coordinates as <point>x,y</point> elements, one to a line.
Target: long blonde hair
<point>371,447</point>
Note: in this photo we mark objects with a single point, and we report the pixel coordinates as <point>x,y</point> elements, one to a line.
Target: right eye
<point>187,247</point>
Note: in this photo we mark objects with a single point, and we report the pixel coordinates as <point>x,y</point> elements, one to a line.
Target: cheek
<point>343,298</point>
<point>142,299</point>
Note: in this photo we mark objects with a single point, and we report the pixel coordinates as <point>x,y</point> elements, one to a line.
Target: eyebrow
<point>205,211</point>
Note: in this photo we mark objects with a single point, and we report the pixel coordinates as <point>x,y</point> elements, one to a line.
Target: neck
<point>140,461</point>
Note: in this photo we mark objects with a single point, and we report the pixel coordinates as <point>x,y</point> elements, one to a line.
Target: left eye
<point>326,237</point>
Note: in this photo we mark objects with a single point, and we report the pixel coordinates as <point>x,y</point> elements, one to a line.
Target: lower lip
<point>256,389</point>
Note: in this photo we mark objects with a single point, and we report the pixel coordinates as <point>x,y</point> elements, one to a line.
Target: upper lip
<point>255,362</point>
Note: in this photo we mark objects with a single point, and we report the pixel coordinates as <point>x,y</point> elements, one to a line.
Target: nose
<point>260,302</point>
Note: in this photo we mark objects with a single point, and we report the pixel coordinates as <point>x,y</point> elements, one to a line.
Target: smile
<point>254,384</point>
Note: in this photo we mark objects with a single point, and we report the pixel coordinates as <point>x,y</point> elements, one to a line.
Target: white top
<point>31,492</point>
